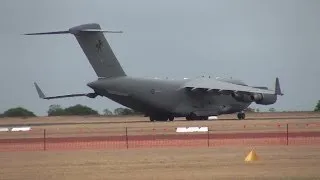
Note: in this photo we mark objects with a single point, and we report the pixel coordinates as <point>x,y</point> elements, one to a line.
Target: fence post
<point>44,140</point>
<point>208,137</point>
<point>127,138</point>
<point>287,134</point>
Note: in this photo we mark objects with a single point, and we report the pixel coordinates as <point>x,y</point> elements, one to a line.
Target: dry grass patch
<point>170,127</point>
<point>192,163</point>
<point>145,128</point>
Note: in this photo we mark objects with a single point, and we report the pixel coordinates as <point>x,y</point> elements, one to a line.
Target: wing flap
<point>213,86</point>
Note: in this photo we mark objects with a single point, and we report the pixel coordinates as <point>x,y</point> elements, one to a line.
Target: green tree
<point>134,112</point>
<point>272,110</point>
<point>18,112</point>
<point>317,108</point>
<point>107,112</point>
<point>80,110</point>
<point>250,110</point>
<point>118,111</point>
<point>125,111</point>
<point>56,110</point>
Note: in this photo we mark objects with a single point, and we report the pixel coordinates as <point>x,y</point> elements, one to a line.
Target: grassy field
<point>277,162</point>
<point>116,126</point>
<point>300,160</point>
<point>96,126</point>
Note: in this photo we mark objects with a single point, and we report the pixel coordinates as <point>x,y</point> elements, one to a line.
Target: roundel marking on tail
<point>99,45</point>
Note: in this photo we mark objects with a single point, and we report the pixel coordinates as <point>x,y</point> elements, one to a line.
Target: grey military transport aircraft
<point>161,99</point>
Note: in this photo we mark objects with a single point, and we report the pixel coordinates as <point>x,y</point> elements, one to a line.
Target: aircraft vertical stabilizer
<point>96,48</point>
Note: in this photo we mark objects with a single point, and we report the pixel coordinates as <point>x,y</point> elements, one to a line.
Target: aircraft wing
<point>42,96</point>
<point>210,85</point>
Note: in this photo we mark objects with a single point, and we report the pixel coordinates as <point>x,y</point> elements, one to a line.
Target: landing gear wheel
<point>241,116</point>
<point>191,117</point>
<point>162,118</point>
<point>204,118</point>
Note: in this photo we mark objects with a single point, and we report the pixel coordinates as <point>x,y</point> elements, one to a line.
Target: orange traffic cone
<point>252,156</point>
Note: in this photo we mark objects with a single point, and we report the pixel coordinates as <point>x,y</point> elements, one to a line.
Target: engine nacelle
<point>264,99</point>
<point>241,97</point>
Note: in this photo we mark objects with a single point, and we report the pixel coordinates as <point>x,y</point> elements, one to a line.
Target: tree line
<point>57,110</point>
<point>76,110</point>
<point>258,110</point>
<point>81,110</point>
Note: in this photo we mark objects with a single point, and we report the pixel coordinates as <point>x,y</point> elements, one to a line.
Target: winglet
<point>277,88</point>
<point>40,93</point>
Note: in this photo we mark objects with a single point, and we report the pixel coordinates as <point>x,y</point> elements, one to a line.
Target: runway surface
<point>141,121</point>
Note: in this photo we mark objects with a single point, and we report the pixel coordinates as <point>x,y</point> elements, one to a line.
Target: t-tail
<point>96,48</point>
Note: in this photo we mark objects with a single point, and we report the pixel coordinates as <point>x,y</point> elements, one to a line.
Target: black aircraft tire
<point>151,119</point>
<point>241,116</point>
<point>193,117</point>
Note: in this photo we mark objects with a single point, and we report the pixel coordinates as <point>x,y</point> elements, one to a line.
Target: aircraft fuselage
<point>164,97</point>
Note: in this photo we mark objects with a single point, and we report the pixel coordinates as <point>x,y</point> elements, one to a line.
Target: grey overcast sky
<point>251,40</point>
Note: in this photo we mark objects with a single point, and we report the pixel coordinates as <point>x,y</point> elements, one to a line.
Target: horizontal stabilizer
<point>42,96</point>
<point>72,31</point>
<point>100,30</point>
<point>45,33</point>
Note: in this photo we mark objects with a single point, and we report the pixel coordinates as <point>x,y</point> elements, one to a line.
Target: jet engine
<point>241,97</point>
<point>264,99</point>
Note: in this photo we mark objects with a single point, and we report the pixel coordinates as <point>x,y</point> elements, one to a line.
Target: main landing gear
<point>161,118</point>
<point>241,115</point>
<point>192,116</point>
